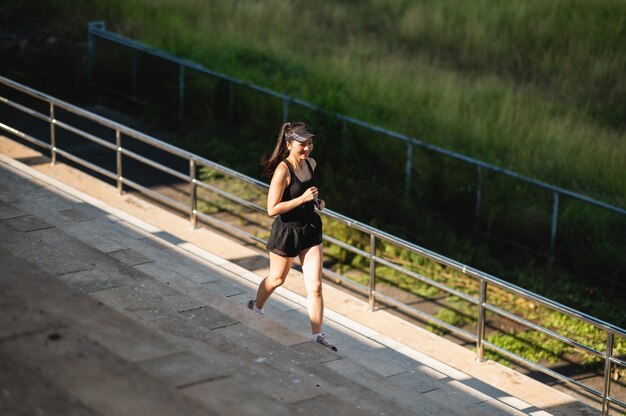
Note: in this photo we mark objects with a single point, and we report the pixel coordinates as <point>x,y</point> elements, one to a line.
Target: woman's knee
<point>315,288</point>
<point>276,281</point>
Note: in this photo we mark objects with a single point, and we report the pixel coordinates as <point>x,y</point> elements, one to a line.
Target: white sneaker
<point>251,303</point>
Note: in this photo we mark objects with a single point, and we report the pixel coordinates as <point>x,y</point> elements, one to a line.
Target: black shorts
<point>287,239</point>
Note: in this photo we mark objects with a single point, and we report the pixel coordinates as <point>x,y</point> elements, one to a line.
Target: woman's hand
<point>320,204</point>
<point>309,195</point>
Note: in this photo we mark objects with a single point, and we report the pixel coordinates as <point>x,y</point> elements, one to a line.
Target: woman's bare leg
<point>279,267</point>
<point>311,260</point>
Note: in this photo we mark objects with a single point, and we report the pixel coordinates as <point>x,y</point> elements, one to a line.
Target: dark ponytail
<point>281,151</point>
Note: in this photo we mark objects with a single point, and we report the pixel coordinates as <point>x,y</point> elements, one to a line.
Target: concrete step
<point>25,389</point>
<point>83,374</point>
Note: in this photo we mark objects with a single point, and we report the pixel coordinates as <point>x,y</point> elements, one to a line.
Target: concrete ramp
<point>112,311</point>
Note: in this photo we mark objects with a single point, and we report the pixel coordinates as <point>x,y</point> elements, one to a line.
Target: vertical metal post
<point>285,111</point>
<point>479,186</point>
<point>372,297</point>
<point>91,46</point>
<point>135,87</point>
<point>53,136</point>
<point>181,91</point>
<point>407,169</point>
<point>555,215</point>
<point>118,160</point>
<point>480,328</point>
<point>193,194</point>
<point>231,102</point>
<point>606,391</point>
<point>91,50</point>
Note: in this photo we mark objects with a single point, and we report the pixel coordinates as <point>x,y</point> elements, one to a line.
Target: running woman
<point>297,228</point>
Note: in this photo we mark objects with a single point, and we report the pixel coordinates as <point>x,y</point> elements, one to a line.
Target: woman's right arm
<point>275,194</point>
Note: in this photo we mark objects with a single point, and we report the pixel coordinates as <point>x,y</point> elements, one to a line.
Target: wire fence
<point>498,202</point>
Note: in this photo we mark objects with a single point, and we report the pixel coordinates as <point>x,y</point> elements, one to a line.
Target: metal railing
<point>98,29</point>
<point>485,281</point>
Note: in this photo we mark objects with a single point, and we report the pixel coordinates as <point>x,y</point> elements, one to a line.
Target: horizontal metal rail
<point>375,234</point>
<point>551,373</point>
<point>85,163</point>
<point>229,227</point>
<point>26,110</point>
<point>231,197</point>
<point>618,362</point>
<point>426,280</point>
<point>425,316</point>
<point>345,281</point>
<point>348,247</point>
<point>155,165</point>
<point>84,134</point>
<point>531,364</point>
<point>616,401</point>
<point>546,331</point>
<point>25,136</point>
<point>152,194</point>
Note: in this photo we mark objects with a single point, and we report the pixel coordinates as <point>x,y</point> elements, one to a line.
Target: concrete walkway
<point>113,306</point>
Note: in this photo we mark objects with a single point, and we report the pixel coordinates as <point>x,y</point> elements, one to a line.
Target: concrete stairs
<point>102,314</point>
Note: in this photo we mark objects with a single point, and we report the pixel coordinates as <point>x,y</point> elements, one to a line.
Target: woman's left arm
<point>319,203</point>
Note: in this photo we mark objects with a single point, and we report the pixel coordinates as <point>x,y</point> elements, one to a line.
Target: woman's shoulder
<point>281,171</point>
<point>282,168</point>
<point>312,162</point>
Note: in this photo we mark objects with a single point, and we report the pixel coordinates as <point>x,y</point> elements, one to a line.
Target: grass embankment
<point>536,87</point>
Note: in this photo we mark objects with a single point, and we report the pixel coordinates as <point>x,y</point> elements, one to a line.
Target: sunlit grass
<point>533,86</point>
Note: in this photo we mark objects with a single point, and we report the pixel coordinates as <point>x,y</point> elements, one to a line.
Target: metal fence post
<point>407,169</point>
<point>555,215</point>
<point>606,391</point>
<point>91,46</point>
<point>53,136</point>
<point>181,91</point>
<point>285,110</point>
<point>231,102</point>
<point>480,327</point>
<point>372,297</point>
<point>118,160</point>
<point>479,185</point>
<point>91,50</point>
<point>193,194</point>
<point>135,86</point>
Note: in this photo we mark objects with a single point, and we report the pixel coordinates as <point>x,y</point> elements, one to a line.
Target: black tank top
<point>305,212</point>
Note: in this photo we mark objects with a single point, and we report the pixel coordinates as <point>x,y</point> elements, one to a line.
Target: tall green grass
<point>534,86</point>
